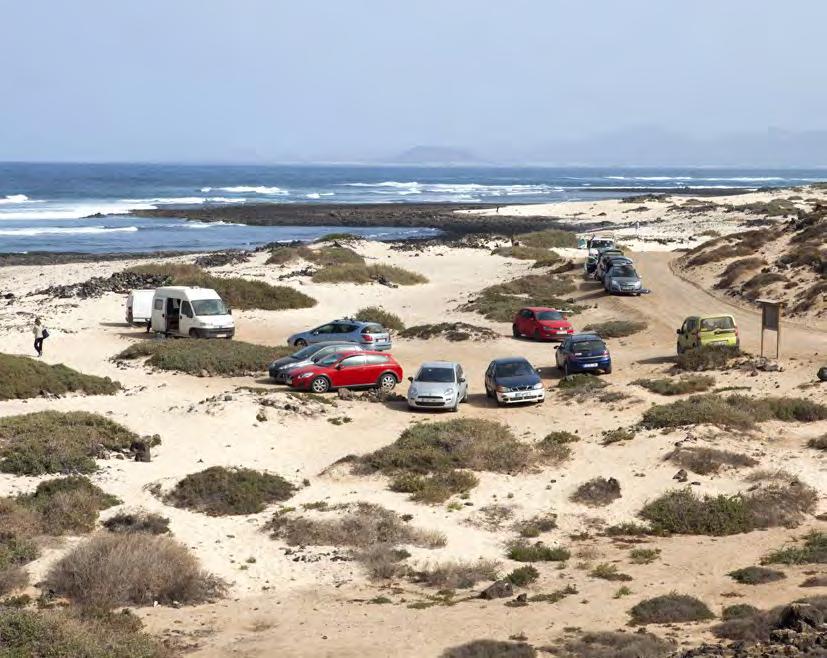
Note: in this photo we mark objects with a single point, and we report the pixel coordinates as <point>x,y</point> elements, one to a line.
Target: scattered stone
<point>119,282</point>
<point>499,590</point>
<point>221,258</point>
<point>681,476</point>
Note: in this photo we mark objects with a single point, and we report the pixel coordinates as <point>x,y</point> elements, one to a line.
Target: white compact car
<point>438,385</point>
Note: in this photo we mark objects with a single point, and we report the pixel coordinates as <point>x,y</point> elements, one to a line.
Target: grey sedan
<point>622,280</point>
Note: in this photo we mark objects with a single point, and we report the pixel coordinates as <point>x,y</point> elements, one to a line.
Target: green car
<point>699,331</point>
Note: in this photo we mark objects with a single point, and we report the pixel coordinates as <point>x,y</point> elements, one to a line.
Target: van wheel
<point>300,343</point>
<point>193,333</point>
<point>320,385</point>
<point>387,381</point>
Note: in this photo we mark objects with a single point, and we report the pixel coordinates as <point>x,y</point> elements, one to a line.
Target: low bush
<point>330,255</point>
<point>221,491</point>
<point>435,488</point>
<point>549,238</point>
<point>738,268</point>
<point>753,288</point>
<point>522,576</point>
<point>491,649</point>
<point>750,625</point>
<point>670,609</point>
<point>536,525</point>
<point>617,435</point>
<point>628,529</point>
<point>451,331</point>
<point>228,358</point>
<point>542,257</point>
<point>681,511</point>
<point>66,506</point>
<point>616,328</point>
<point>704,461</point>
<point>112,570</point>
<point>59,634</point>
<point>555,445</point>
<point>670,386</point>
<point>236,292</point>
<point>614,644</point>
<point>644,555</point>
<point>501,302</point>
<point>819,443</point>
<point>729,246</point>
<point>362,274</point>
<point>28,378</point>
<point>756,575</point>
<point>597,492</point>
<point>610,572</point>
<point>814,581</point>
<point>49,442</point>
<point>377,314</point>
<point>707,358</point>
<point>522,551</point>
<point>139,521</point>
<point>812,551</point>
<point>579,383</point>
<point>738,611</point>
<point>734,411</point>
<point>456,575</point>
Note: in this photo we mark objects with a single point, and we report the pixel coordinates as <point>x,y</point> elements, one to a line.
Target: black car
<point>280,369</point>
<point>512,380</point>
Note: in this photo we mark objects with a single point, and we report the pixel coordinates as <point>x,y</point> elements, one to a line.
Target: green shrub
<point>67,505</point>
<point>628,529</point>
<point>522,576</point>
<point>435,488</point>
<point>555,445</point>
<point>451,331</point>
<point>59,634</point>
<point>521,551</point>
<point>23,377</point>
<point>228,358</point>
<point>361,274</point>
<point>616,328</point>
<point>812,551</point>
<point>615,644</point>
<point>112,570</point>
<point>536,525</point>
<point>670,609</point>
<point>610,572</point>
<point>542,257</point>
<point>236,292</point>
<point>337,237</point>
<point>549,239</point>
<point>707,358</point>
<point>574,384</point>
<point>139,521</point>
<point>377,314</point>
<point>597,492</point>
<point>220,491</point>
<point>501,302</point>
<point>738,611</point>
<point>49,442</point>
<point>332,255</point>
<point>756,575</point>
<point>617,435</point>
<point>644,555</point>
<point>704,461</point>
<point>669,386</point>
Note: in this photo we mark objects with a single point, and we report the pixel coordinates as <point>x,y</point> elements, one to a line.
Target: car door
<point>346,331</point>
<point>687,337</point>
<point>322,334</point>
<point>560,353</point>
<point>521,318</point>
<point>351,371</point>
<point>375,365</point>
<point>489,378</point>
<point>187,320</point>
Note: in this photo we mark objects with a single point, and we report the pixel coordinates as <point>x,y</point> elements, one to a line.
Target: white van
<point>139,306</point>
<point>193,312</point>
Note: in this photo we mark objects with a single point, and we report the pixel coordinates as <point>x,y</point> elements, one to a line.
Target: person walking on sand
<point>40,334</point>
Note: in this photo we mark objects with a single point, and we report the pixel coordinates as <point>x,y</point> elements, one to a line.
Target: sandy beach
<point>279,605</point>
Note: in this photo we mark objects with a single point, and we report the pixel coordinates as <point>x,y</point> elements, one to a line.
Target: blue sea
<point>49,207</point>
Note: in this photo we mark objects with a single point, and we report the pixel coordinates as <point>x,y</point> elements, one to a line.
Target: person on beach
<point>40,334</point>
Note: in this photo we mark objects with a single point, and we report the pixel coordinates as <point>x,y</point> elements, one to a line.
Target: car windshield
<point>711,324</point>
<point>514,369</point>
<point>444,375</point>
<point>307,352</point>
<point>602,244</point>
<point>209,307</point>
<point>589,346</point>
<point>550,315</point>
<point>625,271</point>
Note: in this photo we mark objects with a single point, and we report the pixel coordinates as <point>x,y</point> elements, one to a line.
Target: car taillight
<point>605,353</point>
<point>736,332</point>
<point>368,338</point>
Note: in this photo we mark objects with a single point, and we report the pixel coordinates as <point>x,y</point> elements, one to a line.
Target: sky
<point>359,80</point>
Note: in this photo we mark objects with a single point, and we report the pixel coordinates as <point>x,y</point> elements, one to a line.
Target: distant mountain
<point>435,155</point>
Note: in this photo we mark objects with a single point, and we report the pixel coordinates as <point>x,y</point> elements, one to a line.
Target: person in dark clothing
<point>40,334</point>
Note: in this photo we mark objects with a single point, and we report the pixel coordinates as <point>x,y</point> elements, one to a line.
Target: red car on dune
<point>541,323</point>
<point>348,370</point>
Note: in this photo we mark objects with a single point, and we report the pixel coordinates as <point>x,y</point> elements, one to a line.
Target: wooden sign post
<point>771,319</point>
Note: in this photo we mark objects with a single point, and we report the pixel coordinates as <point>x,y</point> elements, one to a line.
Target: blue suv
<point>370,335</point>
<point>583,353</point>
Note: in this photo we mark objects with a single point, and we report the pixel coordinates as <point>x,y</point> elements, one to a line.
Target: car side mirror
<point>229,311</point>
<point>462,380</point>
<point>314,333</point>
<point>410,379</point>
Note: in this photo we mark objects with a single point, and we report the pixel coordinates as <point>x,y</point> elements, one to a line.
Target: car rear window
<point>588,346</point>
<point>711,324</point>
<point>550,315</point>
<point>373,329</point>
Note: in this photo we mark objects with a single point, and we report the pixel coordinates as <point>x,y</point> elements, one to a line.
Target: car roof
<point>439,364</point>
<point>585,336</point>
<point>332,343</point>
<point>537,309</point>
<point>352,321</point>
<point>710,315</point>
<point>509,359</point>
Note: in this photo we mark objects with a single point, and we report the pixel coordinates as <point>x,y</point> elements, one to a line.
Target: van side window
<point>158,304</point>
<point>186,309</point>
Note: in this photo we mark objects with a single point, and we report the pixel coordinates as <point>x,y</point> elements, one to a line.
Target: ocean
<point>82,207</point>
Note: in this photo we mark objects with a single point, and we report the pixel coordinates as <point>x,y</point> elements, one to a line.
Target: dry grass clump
<point>750,625</point>
<point>812,551</point>
<point>440,448</point>
<point>754,287</point>
<point>616,328</point>
<point>59,634</point>
<point>66,506</point>
<point>456,575</point>
<point>670,609</point>
<point>756,575</point>
<point>221,491</point>
<point>734,411</point>
<point>681,511</point>
<point>814,581</point>
<point>555,445</point>
<point>681,386</point>
<point>541,256</point>
<point>227,358</point>
<point>501,301</point>
<point>112,570</point>
<point>236,292</point>
<point>737,268</point>
<point>610,572</point>
<point>729,246</point>
<point>434,488</point>
<point>360,274</point>
<point>452,331</point>
<point>377,314</point>
<point>614,644</point>
<point>628,529</point>
<point>597,492</point>
<point>644,555</point>
<point>805,255</point>
<point>819,443</point>
<point>707,358</point>
<point>522,551</point>
<point>138,521</point>
<point>579,384</point>
<point>522,576</point>
<point>490,649</point>
<point>549,238</point>
<point>50,442</point>
<point>617,435</point>
<point>536,525</point>
<point>704,461</point>
<point>23,378</point>
<point>808,298</point>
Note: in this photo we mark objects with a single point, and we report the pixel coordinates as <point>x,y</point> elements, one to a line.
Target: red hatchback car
<point>541,323</point>
<point>348,370</point>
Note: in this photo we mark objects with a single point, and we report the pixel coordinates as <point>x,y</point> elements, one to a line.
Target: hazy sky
<point>253,80</point>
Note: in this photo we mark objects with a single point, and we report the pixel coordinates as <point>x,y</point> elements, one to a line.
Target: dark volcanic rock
<point>220,258</point>
<point>119,282</point>
<point>499,590</point>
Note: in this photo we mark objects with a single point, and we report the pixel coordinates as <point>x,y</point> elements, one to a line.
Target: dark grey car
<point>280,369</point>
<point>622,279</point>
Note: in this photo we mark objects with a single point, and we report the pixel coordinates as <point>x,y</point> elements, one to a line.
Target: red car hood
<point>316,370</point>
<point>555,324</point>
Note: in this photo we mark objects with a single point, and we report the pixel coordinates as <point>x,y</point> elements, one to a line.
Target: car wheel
<point>679,348</point>
<point>320,385</point>
<point>193,333</point>
<point>822,374</point>
<point>514,331</point>
<point>300,343</point>
<point>608,370</point>
<point>387,381</point>
<point>566,369</point>
<point>465,397</point>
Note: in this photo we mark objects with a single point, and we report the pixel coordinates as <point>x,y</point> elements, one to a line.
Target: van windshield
<point>209,307</point>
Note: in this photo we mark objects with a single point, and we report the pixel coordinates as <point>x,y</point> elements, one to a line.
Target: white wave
<point>206,190</point>
<point>389,183</point>
<point>62,230</point>
<point>72,212</point>
<point>313,195</point>
<point>202,225</point>
<point>251,189</point>
<point>17,198</point>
